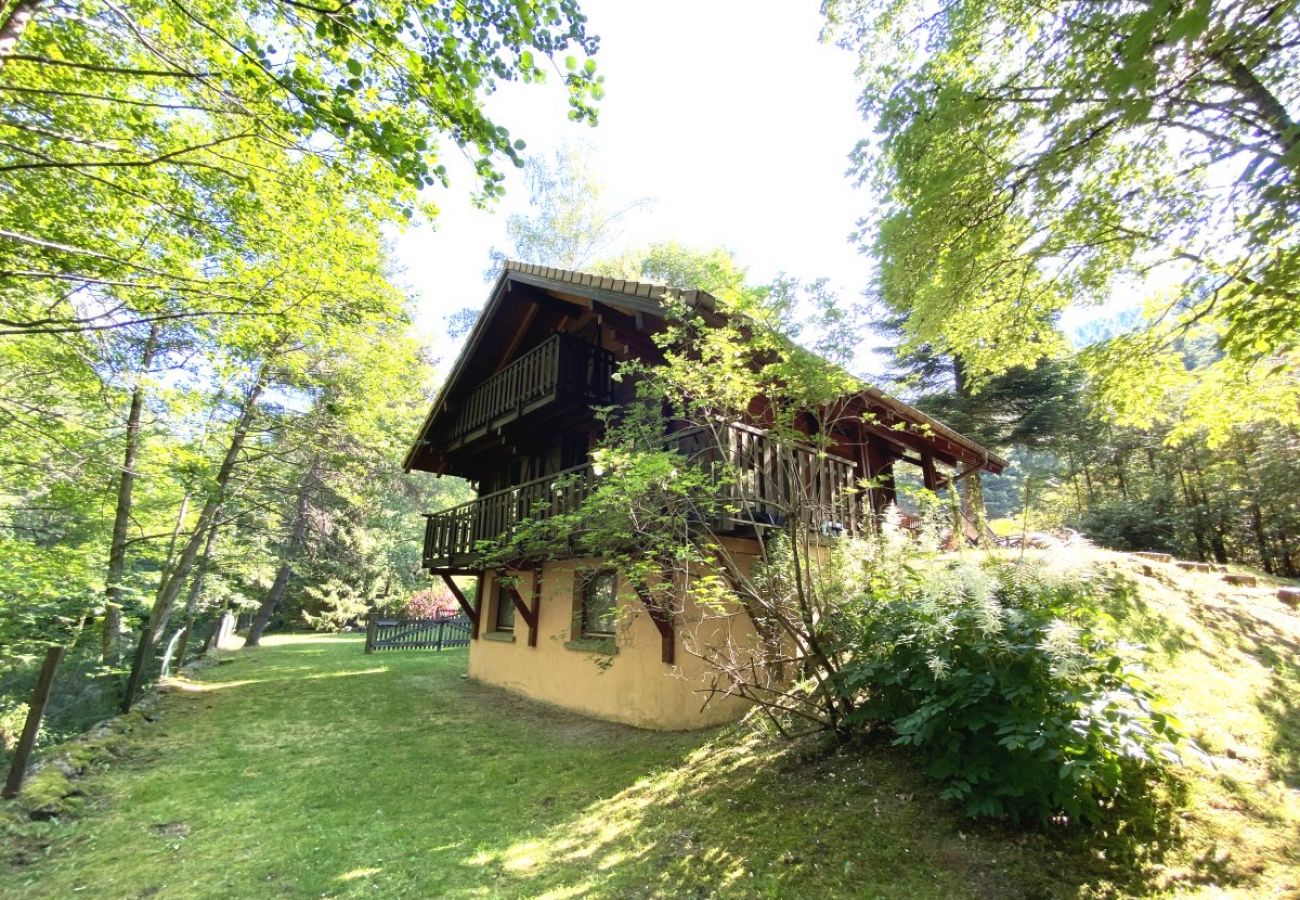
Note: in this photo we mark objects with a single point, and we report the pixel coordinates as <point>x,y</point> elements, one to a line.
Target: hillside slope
<point>308,769</point>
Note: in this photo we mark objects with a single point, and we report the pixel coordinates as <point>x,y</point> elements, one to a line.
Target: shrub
<point>1133,525</point>
<point>431,603</point>
<point>1001,675</point>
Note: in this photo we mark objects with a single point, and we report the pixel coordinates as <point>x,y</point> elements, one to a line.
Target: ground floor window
<point>599,604</point>
<point>505,609</point>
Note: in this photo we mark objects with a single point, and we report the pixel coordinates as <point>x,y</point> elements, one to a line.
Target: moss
<point>49,793</point>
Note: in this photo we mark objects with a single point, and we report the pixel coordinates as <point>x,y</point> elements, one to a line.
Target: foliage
<point>1206,488</point>
<point>1035,157</point>
<point>1004,677</point>
<point>150,149</point>
<point>207,368</point>
<point>431,603</point>
<point>570,223</point>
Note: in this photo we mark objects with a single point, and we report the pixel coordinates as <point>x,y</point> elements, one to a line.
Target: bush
<point>431,603</point>
<point>1000,673</point>
<point>1133,525</point>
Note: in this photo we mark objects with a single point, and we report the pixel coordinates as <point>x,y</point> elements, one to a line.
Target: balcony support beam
<point>663,620</point>
<point>472,612</point>
<point>527,613</point>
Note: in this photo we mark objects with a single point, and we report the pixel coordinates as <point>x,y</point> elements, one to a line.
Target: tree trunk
<point>196,591</point>
<point>1198,516</point>
<point>1216,526</point>
<point>170,558</point>
<point>1282,128</point>
<point>175,579</point>
<point>297,535</point>
<point>1256,514</point>
<point>16,20</point>
<point>122,518</point>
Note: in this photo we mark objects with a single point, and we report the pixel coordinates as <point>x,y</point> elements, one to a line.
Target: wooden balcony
<point>766,483</point>
<point>450,537</point>
<point>560,369</point>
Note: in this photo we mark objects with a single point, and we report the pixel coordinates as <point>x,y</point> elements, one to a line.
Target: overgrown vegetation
<point>1006,675</point>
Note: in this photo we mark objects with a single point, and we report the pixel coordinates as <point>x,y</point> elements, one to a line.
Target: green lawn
<point>306,768</point>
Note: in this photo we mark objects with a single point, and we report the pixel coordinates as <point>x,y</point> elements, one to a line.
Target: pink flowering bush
<point>431,603</point>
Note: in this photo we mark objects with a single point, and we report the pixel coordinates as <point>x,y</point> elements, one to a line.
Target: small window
<point>505,610</point>
<point>599,604</point>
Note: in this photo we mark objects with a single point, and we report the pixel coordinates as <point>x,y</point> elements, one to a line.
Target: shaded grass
<point>306,768</point>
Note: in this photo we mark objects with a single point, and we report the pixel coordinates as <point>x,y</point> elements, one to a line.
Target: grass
<point>306,768</point>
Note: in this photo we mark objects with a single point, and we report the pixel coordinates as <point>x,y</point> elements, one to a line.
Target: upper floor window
<point>599,604</point>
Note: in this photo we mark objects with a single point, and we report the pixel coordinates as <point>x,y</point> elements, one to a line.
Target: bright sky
<point>729,115</point>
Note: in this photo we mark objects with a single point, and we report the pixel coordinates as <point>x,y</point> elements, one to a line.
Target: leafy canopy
<point>1032,157</point>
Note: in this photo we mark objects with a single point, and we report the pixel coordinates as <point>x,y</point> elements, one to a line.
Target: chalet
<point>516,415</point>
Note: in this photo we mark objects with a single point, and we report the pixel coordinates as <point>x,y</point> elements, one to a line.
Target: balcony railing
<point>769,481</point>
<point>450,537</point>
<point>560,367</point>
<point>766,483</point>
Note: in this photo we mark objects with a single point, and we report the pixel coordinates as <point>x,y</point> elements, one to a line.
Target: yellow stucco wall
<point>633,685</point>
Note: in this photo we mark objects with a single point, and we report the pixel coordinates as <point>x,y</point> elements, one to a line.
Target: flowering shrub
<point>1000,673</point>
<point>431,603</point>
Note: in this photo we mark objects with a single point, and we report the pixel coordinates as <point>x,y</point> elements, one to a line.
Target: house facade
<point>516,419</point>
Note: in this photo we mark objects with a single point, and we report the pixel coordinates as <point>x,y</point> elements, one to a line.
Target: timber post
<point>32,727</point>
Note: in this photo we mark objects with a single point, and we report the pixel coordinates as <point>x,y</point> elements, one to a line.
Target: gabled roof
<point>639,297</point>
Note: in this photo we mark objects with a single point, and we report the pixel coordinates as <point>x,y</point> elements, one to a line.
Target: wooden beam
<point>928,473</point>
<point>663,620</point>
<point>537,605</point>
<point>470,611</point>
<point>528,615</point>
<point>506,357</point>
<point>478,607</point>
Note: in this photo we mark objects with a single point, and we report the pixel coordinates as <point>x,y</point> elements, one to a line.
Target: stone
<point>1290,596</point>
<point>1240,580</point>
<point>1155,557</point>
<point>1196,567</point>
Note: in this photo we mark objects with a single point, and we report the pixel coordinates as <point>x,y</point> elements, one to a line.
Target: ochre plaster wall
<point>633,685</point>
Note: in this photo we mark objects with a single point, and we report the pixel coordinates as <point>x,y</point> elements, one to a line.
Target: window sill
<point>593,645</point>
<point>506,637</point>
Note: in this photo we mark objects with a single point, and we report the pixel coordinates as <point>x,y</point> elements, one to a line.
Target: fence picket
<point>417,634</point>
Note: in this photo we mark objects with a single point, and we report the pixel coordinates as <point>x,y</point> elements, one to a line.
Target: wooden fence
<point>416,634</point>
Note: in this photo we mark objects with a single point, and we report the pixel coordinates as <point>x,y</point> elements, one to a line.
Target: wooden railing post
<point>32,727</point>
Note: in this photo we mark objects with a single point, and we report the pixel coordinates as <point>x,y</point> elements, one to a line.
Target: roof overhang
<point>646,299</point>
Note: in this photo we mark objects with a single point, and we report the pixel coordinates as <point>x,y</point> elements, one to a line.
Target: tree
<point>569,224</point>
<point>1037,156</point>
<point>140,141</point>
